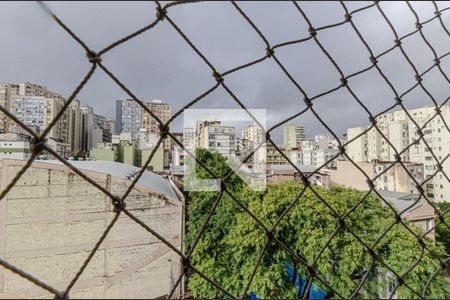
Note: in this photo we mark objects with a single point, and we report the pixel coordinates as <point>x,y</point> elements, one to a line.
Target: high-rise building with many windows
<point>162,110</point>
<point>128,117</point>
<point>402,133</point>
<point>293,135</point>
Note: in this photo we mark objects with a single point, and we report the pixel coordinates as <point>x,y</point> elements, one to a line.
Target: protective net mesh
<point>119,202</point>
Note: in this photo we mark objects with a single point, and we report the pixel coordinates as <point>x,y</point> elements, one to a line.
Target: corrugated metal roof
<point>148,179</point>
<point>400,200</point>
<point>302,168</point>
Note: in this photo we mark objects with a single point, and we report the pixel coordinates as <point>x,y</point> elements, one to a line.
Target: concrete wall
<point>52,218</point>
<point>348,175</point>
<point>157,162</point>
<point>104,153</point>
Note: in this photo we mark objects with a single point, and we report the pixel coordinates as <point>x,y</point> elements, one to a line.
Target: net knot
<point>269,51</point>
<point>305,180</point>
<point>311,270</point>
<point>186,261</point>
<point>308,102</point>
<point>93,57</point>
<point>437,110</point>
<point>312,31</point>
<point>419,189</point>
<point>118,203</point>
<point>38,144</point>
<point>161,13</point>
<point>398,100</point>
<point>218,77</point>
<point>418,25</point>
<point>348,17</point>
<point>223,187</point>
<point>270,236</point>
<point>370,184</point>
<point>373,60</point>
<point>420,132</point>
<point>163,131</point>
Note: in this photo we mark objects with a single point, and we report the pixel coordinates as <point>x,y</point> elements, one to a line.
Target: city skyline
<point>179,79</point>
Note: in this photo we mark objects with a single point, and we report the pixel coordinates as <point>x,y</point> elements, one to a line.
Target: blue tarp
<point>300,285</point>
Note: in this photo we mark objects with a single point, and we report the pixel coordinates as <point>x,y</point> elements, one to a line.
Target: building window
<point>429,225</point>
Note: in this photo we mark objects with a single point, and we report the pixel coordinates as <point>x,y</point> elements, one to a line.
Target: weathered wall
<point>348,175</point>
<point>52,218</point>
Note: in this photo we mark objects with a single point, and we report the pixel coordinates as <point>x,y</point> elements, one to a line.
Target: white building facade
<point>402,132</point>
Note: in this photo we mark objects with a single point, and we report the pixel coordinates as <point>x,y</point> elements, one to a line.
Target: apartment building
<point>274,157</point>
<point>189,138</point>
<point>111,126</point>
<point>37,112</point>
<point>326,141</point>
<point>162,110</point>
<point>369,145</point>
<point>395,177</point>
<point>319,157</point>
<point>10,90</point>
<point>75,127</point>
<point>87,127</point>
<point>128,117</point>
<point>253,138</point>
<point>216,137</point>
<point>293,135</point>
<point>14,146</point>
<point>102,133</point>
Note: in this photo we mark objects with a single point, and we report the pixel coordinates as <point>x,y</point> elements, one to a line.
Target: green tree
<point>229,248</point>
<point>442,230</point>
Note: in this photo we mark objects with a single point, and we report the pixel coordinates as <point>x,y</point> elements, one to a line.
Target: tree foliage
<point>442,231</point>
<point>230,246</point>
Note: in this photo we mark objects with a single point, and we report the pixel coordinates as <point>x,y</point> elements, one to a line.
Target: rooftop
<point>302,168</point>
<point>148,179</point>
<point>402,201</point>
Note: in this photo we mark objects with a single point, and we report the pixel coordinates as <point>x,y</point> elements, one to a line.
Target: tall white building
<point>401,132</point>
<point>215,137</point>
<point>293,135</point>
<point>253,137</point>
<point>189,138</point>
<point>325,141</point>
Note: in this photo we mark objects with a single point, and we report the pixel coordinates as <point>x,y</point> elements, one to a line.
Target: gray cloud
<point>160,65</point>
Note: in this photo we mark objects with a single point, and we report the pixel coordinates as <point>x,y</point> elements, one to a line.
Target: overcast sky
<point>160,65</point>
